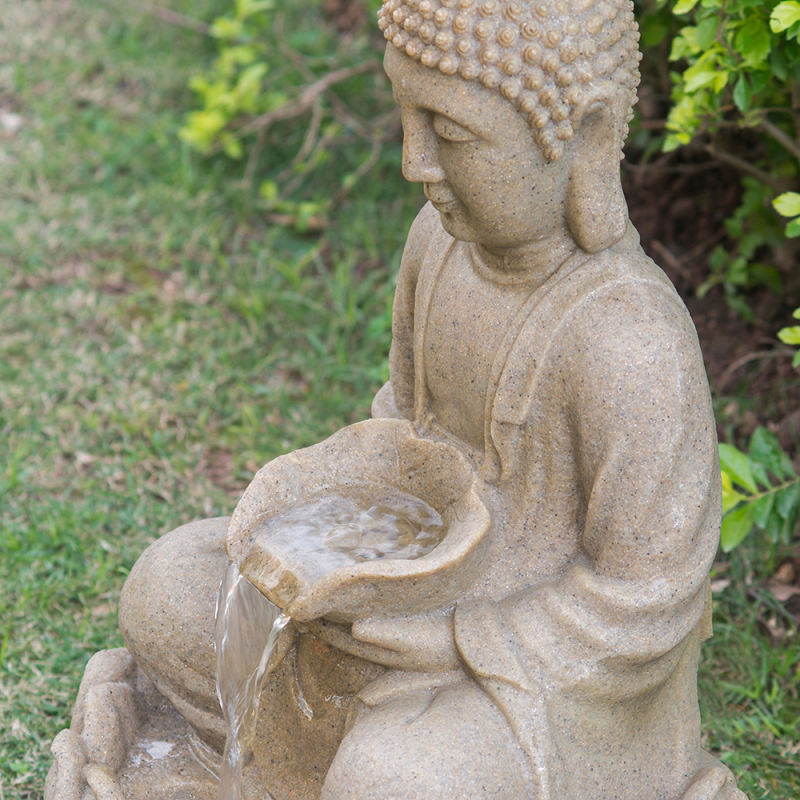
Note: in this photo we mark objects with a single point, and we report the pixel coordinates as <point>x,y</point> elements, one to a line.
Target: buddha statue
<point>533,336</point>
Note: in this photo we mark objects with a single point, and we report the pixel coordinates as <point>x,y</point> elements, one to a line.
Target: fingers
<point>388,633</point>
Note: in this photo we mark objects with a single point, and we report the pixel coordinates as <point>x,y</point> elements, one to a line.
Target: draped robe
<point>600,466</point>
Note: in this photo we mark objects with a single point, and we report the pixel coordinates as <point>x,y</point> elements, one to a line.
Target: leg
<point>167,619</point>
<point>454,743</point>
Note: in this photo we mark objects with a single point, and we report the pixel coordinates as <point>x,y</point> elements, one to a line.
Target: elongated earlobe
<point>597,214</point>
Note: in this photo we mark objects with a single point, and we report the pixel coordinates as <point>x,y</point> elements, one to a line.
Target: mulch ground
<point>679,204</point>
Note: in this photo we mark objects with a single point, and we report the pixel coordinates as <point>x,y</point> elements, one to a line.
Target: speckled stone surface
<point>547,395</point>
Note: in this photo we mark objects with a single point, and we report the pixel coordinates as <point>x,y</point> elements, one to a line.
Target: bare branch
<point>252,159</point>
<point>174,18</point>
<point>738,363</point>
<point>362,170</point>
<point>745,166</point>
<point>307,97</point>
<point>312,135</point>
<point>781,137</point>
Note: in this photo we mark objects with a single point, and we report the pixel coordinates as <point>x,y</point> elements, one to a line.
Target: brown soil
<point>679,204</point>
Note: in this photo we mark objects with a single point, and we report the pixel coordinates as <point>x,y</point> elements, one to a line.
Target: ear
<point>597,214</point>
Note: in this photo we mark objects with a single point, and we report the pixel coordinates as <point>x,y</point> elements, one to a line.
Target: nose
<point>420,152</point>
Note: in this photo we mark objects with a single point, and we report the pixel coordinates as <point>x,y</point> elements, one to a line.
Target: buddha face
<point>476,158</point>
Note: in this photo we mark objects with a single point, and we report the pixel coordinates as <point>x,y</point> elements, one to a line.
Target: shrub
<point>736,94</point>
<point>285,92</point>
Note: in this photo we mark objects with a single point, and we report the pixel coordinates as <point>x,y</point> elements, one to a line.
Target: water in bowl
<point>345,527</point>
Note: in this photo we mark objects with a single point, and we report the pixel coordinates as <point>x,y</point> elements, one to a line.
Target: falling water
<point>331,530</point>
<point>247,628</point>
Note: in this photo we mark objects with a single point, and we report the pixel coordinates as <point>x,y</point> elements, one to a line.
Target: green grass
<point>750,681</point>
<point>159,341</point>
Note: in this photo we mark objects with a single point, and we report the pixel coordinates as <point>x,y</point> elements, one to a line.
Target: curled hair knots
<point>541,55</point>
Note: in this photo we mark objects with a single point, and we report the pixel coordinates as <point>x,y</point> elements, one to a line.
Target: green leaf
<point>788,526</point>
<point>774,527</point>
<point>741,94</point>
<point>684,44</point>
<point>760,79</point>
<point>721,80</point>
<point>788,501</point>
<point>766,449</point>
<point>246,8</point>
<point>735,526</point>
<point>249,85</point>
<point>760,474</point>
<point>793,228</point>
<point>700,78</point>
<point>790,335</point>
<point>201,128</point>
<point>231,146</point>
<point>226,28</point>
<point>788,466</point>
<point>730,497</point>
<point>684,6</point>
<point>268,190</point>
<point>752,41</point>
<point>787,204</point>
<point>777,65</point>
<point>784,15</point>
<point>706,32</point>
<point>762,509</point>
<point>737,465</point>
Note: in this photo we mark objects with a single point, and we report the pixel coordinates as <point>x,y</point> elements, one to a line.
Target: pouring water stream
<point>334,529</point>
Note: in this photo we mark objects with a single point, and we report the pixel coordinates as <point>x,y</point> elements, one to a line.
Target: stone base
<point>127,742</point>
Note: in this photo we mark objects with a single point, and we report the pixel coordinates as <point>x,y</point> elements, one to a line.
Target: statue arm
<point>396,398</point>
<point>645,450</point>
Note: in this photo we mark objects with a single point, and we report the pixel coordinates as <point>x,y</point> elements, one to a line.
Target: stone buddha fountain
<point>530,627</point>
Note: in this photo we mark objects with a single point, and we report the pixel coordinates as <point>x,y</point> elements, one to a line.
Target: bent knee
<point>166,610</point>
<point>455,744</point>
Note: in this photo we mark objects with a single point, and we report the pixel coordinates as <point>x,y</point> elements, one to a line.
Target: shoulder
<point>630,322</point>
<point>622,291</point>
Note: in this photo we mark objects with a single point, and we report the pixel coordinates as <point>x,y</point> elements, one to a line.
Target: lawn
<point>161,338</point>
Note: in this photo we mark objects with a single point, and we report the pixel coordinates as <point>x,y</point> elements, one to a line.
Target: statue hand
<point>423,642</point>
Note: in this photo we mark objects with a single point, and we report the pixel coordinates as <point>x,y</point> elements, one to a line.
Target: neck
<point>531,261</point>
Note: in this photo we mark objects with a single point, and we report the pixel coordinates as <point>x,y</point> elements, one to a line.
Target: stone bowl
<point>384,454</point>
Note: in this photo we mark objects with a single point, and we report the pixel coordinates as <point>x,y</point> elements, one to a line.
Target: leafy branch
<point>284,94</point>
<point>737,69</point>
<point>760,489</point>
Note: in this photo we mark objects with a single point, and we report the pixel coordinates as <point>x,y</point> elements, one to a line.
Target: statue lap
<point>443,742</point>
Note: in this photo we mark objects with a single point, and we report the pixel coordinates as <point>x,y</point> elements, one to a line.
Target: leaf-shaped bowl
<point>377,455</point>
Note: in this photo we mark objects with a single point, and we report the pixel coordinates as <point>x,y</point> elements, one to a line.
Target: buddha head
<point>568,69</point>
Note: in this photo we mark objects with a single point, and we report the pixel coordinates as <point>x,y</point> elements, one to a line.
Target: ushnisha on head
<point>545,57</point>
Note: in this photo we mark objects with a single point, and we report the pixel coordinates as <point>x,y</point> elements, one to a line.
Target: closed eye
<point>450,131</point>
